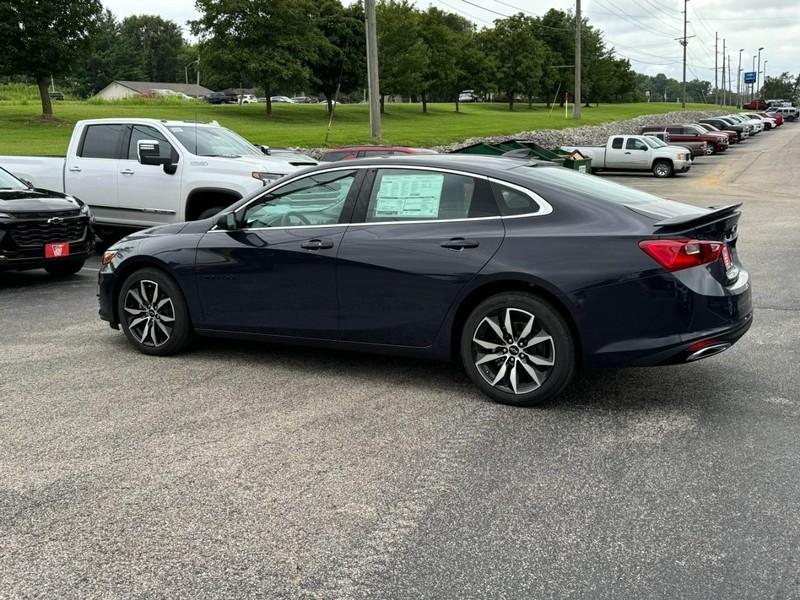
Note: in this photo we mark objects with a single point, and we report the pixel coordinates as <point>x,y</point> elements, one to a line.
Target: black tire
<point>112,234</point>
<point>209,212</point>
<point>663,168</point>
<point>64,268</point>
<point>167,336</point>
<point>559,351</point>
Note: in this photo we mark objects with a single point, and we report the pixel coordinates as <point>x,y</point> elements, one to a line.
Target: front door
<point>421,236</point>
<point>149,194</point>
<point>276,273</point>
<point>637,154</point>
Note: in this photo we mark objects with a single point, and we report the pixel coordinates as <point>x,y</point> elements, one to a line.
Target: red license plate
<point>726,257</point>
<point>56,250</point>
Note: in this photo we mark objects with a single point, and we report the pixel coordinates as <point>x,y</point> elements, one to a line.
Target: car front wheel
<point>518,349</point>
<point>153,313</point>
<point>662,168</point>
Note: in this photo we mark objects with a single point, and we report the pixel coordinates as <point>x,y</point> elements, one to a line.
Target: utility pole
<point>730,85</point>
<point>724,88</point>
<point>716,67</point>
<point>576,107</point>
<point>684,43</point>
<point>739,81</point>
<point>372,70</point>
<point>752,91</point>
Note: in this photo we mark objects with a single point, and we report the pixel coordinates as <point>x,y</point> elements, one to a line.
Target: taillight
<point>675,255</point>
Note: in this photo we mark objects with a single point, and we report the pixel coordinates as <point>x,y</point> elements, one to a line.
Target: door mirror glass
<point>227,221</point>
<point>149,153</point>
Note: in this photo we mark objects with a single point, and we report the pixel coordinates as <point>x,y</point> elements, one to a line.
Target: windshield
<point>653,141</point>
<point>213,141</point>
<point>603,189</point>
<point>704,128</point>
<point>9,182</point>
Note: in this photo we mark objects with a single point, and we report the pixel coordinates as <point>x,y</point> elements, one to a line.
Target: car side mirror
<point>149,153</point>
<point>265,149</point>
<point>226,221</point>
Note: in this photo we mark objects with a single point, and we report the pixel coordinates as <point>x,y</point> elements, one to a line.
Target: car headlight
<point>266,177</point>
<point>5,216</point>
<point>108,256</point>
<point>86,211</point>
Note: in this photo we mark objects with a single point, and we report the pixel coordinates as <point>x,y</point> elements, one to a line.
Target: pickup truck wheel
<point>662,168</point>
<point>209,212</point>
<point>711,149</point>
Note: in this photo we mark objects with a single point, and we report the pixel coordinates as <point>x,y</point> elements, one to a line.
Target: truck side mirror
<point>265,149</point>
<point>149,153</point>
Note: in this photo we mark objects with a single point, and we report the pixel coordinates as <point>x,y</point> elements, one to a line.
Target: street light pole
<point>758,73</point>
<point>739,81</point>
<point>752,92</point>
<point>372,70</point>
<point>576,101</point>
<point>764,71</point>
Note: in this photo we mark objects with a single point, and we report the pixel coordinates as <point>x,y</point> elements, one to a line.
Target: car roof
<point>370,147</point>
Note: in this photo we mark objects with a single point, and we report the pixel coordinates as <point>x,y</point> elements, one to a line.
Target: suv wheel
<point>153,313</point>
<point>517,349</point>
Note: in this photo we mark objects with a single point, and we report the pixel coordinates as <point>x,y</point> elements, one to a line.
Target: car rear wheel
<point>711,149</point>
<point>62,269</point>
<point>518,349</point>
<point>153,313</point>
<point>662,168</point>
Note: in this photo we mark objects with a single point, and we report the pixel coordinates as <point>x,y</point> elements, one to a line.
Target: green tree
<point>442,44</point>
<point>45,39</point>
<point>341,63</point>
<point>779,87</point>
<point>155,42</point>
<point>517,55</point>
<point>269,42</point>
<point>402,54</point>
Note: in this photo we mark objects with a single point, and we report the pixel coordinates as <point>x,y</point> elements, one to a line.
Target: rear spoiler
<point>693,220</point>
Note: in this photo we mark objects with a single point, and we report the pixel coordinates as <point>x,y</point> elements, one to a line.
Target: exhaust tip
<point>708,351</point>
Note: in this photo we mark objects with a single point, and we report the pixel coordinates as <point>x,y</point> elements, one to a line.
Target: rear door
<point>91,172</point>
<point>419,235</point>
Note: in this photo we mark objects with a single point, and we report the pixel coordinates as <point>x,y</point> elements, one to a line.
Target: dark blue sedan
<point>523,271</point>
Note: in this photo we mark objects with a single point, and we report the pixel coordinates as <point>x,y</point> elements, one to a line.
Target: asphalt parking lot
<point>245,470</point>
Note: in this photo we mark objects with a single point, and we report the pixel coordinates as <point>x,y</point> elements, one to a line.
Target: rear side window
<point>675,130</point>
<point>617,144</point>
<point>101,141</point>
<point>514,202</point>
<point>411,195</point>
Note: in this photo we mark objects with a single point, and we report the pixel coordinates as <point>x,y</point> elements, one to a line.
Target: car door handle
<point>627,153</point>
<point>75,169</point>
<point>459,244</point>
<point>127,171</point>
<point>317,245</point>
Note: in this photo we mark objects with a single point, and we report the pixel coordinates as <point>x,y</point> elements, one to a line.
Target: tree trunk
<point>329,99</point>
<point>47,106</point>
<point>383,102</point>
<point>530,101</point>
<point>268,93</point>
<point>424,103</point>
<point>458,109</point>
<point>511,101</point>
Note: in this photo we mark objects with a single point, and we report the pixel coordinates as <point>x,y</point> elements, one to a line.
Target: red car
<point>778,118</point>
<point>756,105</point>
<point>353,152</point>
<point>732,137</point>
<point>717,141</point>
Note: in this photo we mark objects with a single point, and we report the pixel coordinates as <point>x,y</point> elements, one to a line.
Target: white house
<point>117,90</point>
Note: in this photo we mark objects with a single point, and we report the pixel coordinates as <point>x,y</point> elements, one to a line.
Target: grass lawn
<point>23,132</point>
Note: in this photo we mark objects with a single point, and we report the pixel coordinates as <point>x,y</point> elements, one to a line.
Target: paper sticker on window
<point>409,196</point>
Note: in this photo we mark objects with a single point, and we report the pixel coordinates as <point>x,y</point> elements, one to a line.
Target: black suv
<point>220,98</point>
<point>42,229</point>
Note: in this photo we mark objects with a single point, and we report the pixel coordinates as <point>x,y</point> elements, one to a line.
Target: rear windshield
<point>604,190</point>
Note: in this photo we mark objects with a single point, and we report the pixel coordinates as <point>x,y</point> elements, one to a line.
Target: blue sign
<point>750,77</point>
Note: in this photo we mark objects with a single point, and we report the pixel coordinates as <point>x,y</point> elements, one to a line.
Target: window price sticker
<point>408,196</point>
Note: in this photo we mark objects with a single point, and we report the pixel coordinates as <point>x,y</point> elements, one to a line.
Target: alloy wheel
<point>511,352</point>
<point>662,170</point>
<point>149,314</point>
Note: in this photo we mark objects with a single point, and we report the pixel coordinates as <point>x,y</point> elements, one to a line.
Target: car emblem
<point>55,220</point>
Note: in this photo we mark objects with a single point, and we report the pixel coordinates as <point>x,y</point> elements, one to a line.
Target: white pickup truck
<point>202,169</point>
<point>636,153</point>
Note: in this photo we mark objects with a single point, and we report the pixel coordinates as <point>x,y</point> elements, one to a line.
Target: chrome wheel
<point>709,150</point>
<point>511,352</point>
<point>149,314</point>
<point>662,169</point>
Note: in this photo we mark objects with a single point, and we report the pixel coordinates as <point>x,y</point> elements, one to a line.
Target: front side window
<point>411,195</point>
<point>635,144</point>
<point>101,141</point>
<point>314,200</point>
<point>143,132</point>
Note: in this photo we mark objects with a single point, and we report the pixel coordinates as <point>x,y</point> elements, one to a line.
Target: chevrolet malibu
<point>523,272</point>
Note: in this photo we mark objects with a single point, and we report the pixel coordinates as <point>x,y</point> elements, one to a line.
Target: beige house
<point>116,90</point>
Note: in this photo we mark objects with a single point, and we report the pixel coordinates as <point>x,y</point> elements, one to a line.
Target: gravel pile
<point>587,135</point>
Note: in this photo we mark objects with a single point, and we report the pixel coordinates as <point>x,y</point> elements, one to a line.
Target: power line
<point>631,20</point>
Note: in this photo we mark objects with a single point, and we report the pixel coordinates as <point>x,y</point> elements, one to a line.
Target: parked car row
<point>224,98</point>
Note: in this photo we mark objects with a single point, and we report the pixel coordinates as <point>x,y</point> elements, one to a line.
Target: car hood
<point>27,201</point>
<point>269,164</point>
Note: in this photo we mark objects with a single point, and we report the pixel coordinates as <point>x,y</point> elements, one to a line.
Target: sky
<point>643,31</point>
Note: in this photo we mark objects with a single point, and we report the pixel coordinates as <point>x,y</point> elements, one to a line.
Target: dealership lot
<point>266,471</point>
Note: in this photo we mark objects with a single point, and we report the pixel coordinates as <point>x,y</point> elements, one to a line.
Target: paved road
<point>255,471</point>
